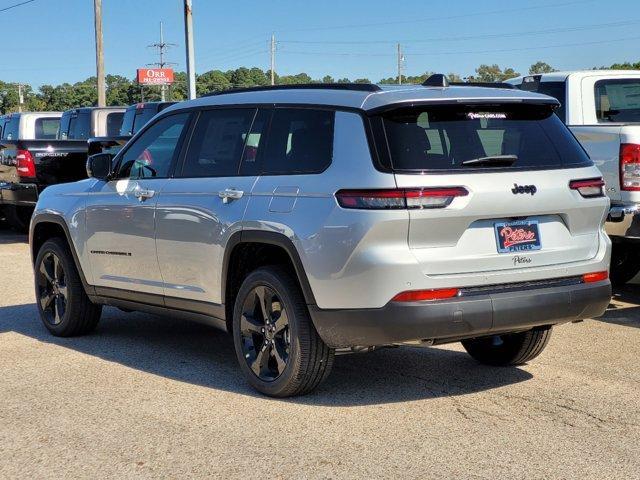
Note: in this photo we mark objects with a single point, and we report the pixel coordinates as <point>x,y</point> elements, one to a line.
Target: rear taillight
<point>25,165</point>
<point>425,295</point>
<point>394,199</point>
<point>588,188</point>
<point>630,166</point>
<point>595,277</point>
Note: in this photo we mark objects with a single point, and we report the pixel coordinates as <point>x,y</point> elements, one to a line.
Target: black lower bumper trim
<point>461,317</point>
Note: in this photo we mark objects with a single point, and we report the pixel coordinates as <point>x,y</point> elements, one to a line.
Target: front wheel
<point>63,305</point>
<point>279,350</point>
<point>510,348</point>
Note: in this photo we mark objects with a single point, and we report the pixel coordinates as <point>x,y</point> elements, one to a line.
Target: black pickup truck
<point>31,160</point>
<point>135,117</point>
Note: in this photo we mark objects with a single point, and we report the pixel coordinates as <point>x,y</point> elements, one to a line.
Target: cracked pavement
<point>151,397</point>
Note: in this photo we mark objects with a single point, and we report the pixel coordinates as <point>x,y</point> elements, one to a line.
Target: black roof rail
<point>436,80</point>
<point>508,86</point>
<point>356,87</point>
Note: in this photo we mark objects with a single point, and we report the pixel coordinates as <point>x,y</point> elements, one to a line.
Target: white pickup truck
<point>602,109</point>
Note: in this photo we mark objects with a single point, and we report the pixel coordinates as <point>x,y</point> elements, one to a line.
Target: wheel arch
<point>47,225</point>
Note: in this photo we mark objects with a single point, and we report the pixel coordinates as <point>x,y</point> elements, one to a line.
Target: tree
<point>493,73</point>
<point>541,67</point>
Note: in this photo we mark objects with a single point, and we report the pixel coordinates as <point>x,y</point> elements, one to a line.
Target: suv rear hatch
<point>515,163</point>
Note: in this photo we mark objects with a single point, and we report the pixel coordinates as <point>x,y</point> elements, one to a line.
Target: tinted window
<point>11,128</point>
<point>143,115</point>
<point>254,143</point>
<point>127,121</point>
<point>217,143</point>
<point>63,130</point>
<point>47,128</point>
<point>300,141</point>
<point>442,138</point>
<point>114,122</point>
<point>618,100</point>
<point>556,90</point>
<point>152,154</point>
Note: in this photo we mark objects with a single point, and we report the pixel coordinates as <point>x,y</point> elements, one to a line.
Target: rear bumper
<point>461,317</point>
<point>21,194</point>
<point>624,221</point>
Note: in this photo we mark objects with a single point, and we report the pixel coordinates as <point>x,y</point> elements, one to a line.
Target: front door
<point>203,205</point>
<point>120,213</point>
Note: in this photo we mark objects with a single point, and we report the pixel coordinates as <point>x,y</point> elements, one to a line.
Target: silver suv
<point>314,220</point>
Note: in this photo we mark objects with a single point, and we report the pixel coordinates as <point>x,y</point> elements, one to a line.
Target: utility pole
<point>400,60</point>
<point>188,36</point>
<point>20,97</point>
<point>162,46</point>
<point>97,12</point>
<point>273,59</point>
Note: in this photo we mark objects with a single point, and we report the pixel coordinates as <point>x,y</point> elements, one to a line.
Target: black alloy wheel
<point>52,291</point>
<point>264,332</point>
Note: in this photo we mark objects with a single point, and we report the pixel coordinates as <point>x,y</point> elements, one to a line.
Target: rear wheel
<point>279,350</point>
<point>63,305</point>
<point>625,263</point>
<point>510,348</point>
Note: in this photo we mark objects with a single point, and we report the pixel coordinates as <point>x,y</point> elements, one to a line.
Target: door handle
<point>143,194</point>
<point>230,194</point>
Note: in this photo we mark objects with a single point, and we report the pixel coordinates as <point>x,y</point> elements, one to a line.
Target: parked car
<point>310,220</point>
<point>602,109</point>
<point>87,122</point>
<point>32,160</point>
<point>135,117</point>
<point>3,119</point>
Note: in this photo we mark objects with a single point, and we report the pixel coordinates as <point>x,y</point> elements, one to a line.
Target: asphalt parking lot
<point>150,397</point>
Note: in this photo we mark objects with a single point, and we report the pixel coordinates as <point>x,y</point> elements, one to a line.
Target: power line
<point>468,37</point>
<point>16,5</point>
<point>432,19</point>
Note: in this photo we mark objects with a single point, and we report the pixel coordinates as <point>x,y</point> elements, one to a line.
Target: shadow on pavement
<point>627,314</point>
<point>201,355</point>
<point>9,236</point>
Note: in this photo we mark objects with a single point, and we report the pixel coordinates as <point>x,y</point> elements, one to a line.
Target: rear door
<point>120,213</point>
<point>203,205</point>
<point>515,163</point>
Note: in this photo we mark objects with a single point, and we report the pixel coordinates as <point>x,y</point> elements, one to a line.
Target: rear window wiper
<point>496,160</point>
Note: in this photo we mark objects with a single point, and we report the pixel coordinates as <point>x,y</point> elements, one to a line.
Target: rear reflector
<point>630,166</point>
<point>422,295</point>
<point>24,164</point>
<point>394,199</point>
<point>588,188</point>
<point>595,277</point>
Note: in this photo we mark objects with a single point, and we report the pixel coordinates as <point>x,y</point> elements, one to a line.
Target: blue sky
<point>51,41</point>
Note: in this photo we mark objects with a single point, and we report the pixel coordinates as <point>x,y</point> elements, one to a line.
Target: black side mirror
<point>100,166</point>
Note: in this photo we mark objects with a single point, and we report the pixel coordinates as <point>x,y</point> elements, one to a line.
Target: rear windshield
<point>79,126</point>
<point>472,137</point>
<point>114,123</point>
<point>618,100</point>
<point>47,128</point>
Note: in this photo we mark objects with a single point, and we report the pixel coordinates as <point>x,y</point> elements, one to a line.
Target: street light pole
<point>97,11</point>
<point>188,36</point>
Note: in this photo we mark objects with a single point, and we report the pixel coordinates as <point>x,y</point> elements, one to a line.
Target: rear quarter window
<point>618,100</point>
<point>443,138</point>
<point>114,123</point>
<point>46,128</point>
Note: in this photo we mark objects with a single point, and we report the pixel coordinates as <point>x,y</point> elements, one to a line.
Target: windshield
<point>618,100</point>
<point>466,137</point>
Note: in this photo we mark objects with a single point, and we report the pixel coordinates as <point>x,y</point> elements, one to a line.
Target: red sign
<point>155,76</point>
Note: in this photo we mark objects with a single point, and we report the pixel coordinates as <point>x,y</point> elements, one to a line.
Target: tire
<point>509,349</point>
<point>625,263</point>
<point>19,218</point>
<point>63,305</point>
<point>278,358</point>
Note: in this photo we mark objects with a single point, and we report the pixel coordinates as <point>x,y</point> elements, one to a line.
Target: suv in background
<point>84,123</point>
<point>310,220</point>
<point>602,109</point>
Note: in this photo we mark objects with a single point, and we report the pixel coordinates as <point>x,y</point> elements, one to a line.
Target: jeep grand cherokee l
<point>311,220</point>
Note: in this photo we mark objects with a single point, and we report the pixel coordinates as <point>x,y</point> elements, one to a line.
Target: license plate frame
<point>517,236</point>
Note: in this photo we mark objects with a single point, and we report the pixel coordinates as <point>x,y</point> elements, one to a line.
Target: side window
<point>300,142</point>
<point>217,142</point>
<point>254,144</point>
<point>152,154</point>
<point>11,129</point>
<point>63,131</point>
